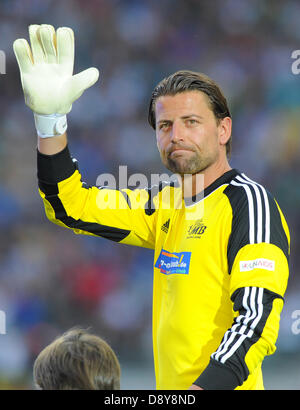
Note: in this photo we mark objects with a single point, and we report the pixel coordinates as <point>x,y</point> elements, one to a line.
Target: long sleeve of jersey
<point>258,253</point>
<point>124,216</point>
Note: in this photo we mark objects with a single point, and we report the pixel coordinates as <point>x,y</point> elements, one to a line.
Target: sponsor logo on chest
<point>173,262</point>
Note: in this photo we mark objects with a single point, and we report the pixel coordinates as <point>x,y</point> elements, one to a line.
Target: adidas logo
<point>165,226</point>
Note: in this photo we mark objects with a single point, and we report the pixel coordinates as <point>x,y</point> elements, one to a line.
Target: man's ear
<point>225,128</point>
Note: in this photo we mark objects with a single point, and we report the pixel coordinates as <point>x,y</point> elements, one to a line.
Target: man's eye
<point>192,121</point>
<point>164,125</point>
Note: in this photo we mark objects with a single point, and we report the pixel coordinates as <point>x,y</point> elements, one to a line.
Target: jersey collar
<point>223,179</point>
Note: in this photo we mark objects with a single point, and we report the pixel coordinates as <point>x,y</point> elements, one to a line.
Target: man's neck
<point>196,183</point>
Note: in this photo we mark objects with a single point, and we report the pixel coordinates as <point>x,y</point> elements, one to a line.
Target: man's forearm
<point>53,145</point>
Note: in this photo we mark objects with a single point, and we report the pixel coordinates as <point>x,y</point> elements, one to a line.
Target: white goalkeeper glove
<point>46,70</point>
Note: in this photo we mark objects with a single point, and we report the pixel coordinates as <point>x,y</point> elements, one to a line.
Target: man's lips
<point>179,150</point>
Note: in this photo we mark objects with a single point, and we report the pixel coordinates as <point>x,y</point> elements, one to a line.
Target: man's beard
<point>185,166</point>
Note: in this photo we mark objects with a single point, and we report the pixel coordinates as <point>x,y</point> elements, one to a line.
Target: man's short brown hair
<point>186,80</point>
<point>77,360</point>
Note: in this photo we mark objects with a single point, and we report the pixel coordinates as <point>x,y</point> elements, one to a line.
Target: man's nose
<point>176,132</point>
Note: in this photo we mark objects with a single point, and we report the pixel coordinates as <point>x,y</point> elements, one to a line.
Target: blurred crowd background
<point>51,279</point>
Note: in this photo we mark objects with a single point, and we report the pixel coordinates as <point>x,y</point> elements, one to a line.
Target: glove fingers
<point>23,55</point>
<point>65,47</point>
<point>48,40</point>
<point>80,82</point>
<point>36,45</point>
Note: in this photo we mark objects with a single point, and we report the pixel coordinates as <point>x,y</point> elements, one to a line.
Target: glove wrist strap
<point>48,126</point>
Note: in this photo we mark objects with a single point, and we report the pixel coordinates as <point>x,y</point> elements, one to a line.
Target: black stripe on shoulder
<point>104,231</point>
<point>223,179</point>
<point>277,234</point>
<point>256,217</point>
<point>239,236</point>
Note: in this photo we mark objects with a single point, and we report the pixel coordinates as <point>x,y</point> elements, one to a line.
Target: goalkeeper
<point>220,274</point>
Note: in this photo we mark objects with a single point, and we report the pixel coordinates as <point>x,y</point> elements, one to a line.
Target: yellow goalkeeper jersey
<point>220,267</point>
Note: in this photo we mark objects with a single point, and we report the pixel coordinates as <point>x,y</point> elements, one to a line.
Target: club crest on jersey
<point>196,230</point>
<point>172,262</point>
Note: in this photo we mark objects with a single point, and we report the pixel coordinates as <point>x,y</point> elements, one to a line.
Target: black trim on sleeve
<point>107,232</point>
<point>216,376</point>
<point>55,168</point>
<point>254,306</point>
<point>227,368</point>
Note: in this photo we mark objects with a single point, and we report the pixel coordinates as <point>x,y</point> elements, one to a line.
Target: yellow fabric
<point>192,287</point>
